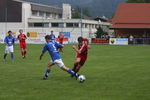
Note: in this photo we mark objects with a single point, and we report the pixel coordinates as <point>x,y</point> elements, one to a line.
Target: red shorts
<point>23,45</point>
<point>82,59</point>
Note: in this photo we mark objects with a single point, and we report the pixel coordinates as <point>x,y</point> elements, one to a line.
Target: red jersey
<point>83,49</point>
<point>22,38</point>
<point>61,37</point>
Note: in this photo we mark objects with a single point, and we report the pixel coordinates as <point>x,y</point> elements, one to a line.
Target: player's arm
<point>13,41</point>
<point>89,47</point>
<point>76,49</point>
<point>43,51</point>
<point>25,37</point>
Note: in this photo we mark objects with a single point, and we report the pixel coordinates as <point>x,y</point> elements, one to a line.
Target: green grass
<point>112,72</point>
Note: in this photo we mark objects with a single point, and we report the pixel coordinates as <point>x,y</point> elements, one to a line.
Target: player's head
<point>21,31</point>
<point>9,32</point>
<point>80,39</point>
<point>47,38</point>
<point>52,32</point>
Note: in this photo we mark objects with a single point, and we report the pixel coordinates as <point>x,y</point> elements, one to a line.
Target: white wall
<point>67,11</point>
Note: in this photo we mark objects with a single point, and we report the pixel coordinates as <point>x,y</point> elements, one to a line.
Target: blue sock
<point>12,56</point>
<point>47,72</point>
<point>5,56</point>
<point>72,72</point>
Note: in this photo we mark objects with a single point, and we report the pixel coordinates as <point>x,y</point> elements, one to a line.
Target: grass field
<point>112,72</point>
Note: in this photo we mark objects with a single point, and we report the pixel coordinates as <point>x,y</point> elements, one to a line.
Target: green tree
<point>100,32</point>
<point>138,1</point>
<point>77,12</point>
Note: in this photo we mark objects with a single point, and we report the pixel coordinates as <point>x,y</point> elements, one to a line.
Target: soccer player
<point>52,36</point>
<point>60,38</point>
<point>22,40</point>
<point>82,52</point>
<point>9,42</point>
<point>52,48</point>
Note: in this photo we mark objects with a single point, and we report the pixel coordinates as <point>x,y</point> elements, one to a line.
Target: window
<point>41,14</point>
<point>54,24</point>
<point>38,24</point>
<point>69,24</point>
<point>54,16</point>
<point>45,24</point>
<point>30,25</point>
<point>60,15</point>
<point>34,13</point>
<point>48,14</point>
<point>61,25</point>
<point>76,25</point>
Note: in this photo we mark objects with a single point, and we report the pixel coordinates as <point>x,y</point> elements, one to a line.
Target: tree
<point>77,12</point>
<point>138,1</point>
<point>100,32</point>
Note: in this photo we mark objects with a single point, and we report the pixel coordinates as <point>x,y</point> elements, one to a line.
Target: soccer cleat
<point>45,77</point>
<point>23,57</point>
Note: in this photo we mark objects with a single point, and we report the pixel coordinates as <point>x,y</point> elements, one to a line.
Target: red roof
<point>131,26</point>
<point>133,13</point>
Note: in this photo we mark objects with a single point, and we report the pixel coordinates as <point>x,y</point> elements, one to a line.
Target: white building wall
<point>26,14</point>
<point>67,11</point>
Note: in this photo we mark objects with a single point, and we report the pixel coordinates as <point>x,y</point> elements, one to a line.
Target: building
<point>40,19</point>
<point>132,19</point>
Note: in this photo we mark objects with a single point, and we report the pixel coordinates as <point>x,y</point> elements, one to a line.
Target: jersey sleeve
<point>5,40</point>
<point>44,49</point>
<point>25,36</point>
<point>58,45</point>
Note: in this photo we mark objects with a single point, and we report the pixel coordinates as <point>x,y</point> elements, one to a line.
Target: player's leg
<point>22,51</point>
<point>80,64</point>
<point>11,50</point>
<point>64,68</point>
<point>12,56</point>
<point>25,51</point>
<point>6,52</point>
<point>76,64</point>
<point>48,70</point>
<point>5,55</point>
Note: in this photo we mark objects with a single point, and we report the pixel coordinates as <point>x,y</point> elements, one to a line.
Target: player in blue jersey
<point>52,48</point>
<point>9,42</point>
<point>52,36</point>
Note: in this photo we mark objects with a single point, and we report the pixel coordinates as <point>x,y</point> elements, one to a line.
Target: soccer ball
<point>81,78</point>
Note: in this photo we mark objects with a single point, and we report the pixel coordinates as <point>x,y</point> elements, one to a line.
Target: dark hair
<point>9,31</point>
<point>47,37</point>
<point>52,31</point>
<point>80,39</point>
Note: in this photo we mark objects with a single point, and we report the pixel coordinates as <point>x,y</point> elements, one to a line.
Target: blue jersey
<point>9,40</point>
<point>52,37</point>
<point>52,48</point>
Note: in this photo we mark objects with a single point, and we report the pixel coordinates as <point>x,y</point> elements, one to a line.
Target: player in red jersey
<point>60,38</point>
<point>22,40</point>
<point>82,53</point>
